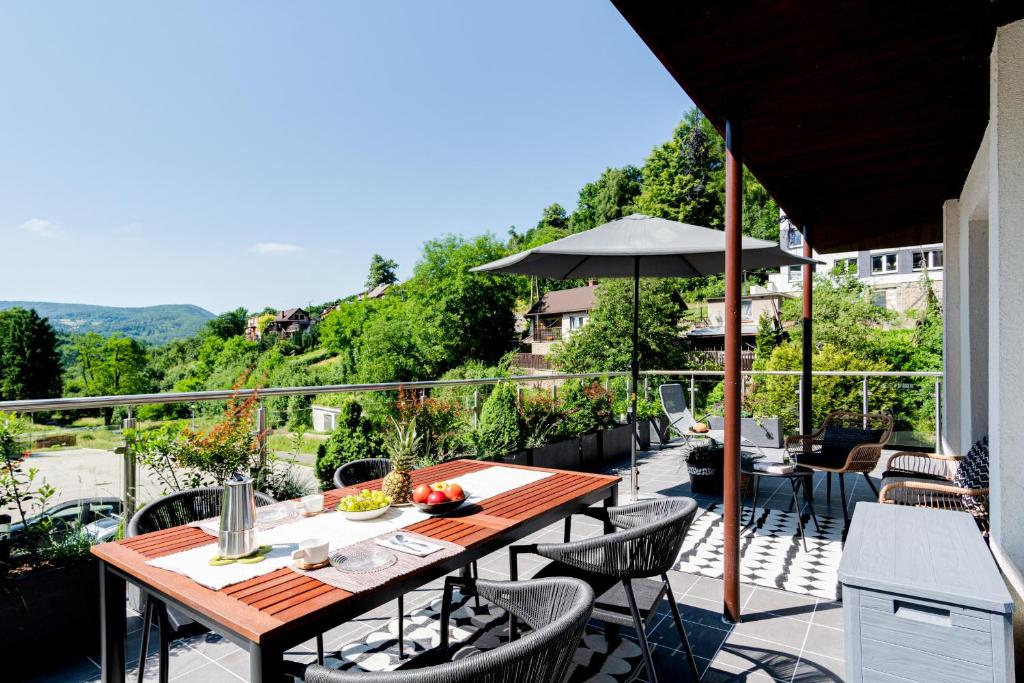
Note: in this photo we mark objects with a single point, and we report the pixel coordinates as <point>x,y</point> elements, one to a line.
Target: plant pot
<point>50,615</point>
<point>644,429</point>
<point>562,455</point>
<point>591,446</point>
<point>615,444</point>
<point>705,469</point>
<point>762,431</point>
<point>659,430</point>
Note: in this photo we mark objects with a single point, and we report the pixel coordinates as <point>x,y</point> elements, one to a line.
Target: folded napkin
<point>409,543</point>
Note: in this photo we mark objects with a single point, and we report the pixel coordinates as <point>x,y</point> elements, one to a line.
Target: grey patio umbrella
<point>639,246</point>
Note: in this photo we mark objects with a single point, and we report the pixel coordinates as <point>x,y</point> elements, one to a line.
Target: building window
<point>577,321</point>
<point>883,263</point>
<point>796,239</point>
<point>747,310</point>
<point>845,266</point>
<point>930,259</point>
<point>884,298</point>
<point>796,273</point>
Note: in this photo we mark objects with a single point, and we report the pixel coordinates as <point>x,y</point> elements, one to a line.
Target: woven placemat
<point>355,582</point>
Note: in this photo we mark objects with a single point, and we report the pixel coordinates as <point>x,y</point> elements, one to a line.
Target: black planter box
<point>50,615</point>
<point>563,455</point>
<point>644,429</point>
<point>518,458</point>
<point>591,448</point>
<point>767,436</point>
<point>659,430</point>
<point>615,444</point>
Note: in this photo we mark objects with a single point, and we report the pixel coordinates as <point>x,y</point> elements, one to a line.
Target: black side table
<point>796,479</point>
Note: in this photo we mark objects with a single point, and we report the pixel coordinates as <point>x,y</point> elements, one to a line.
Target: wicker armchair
<point>621,565</point>
<point>845,443</point>
<point>358,471</point>
<point>929,480</point>
<point>556,610</point>
<point>173,510</point>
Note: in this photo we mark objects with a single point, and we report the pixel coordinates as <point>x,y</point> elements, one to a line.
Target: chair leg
<point>165,642</point>
<point>474,572</point>
<point>828,488</point>
<point>401,627</point>
<point>638,623</point>
<point>147,624</point>
<point>871,484</point>
<point>320,649</point>
<point>679,627</point>
<point>842,492</point>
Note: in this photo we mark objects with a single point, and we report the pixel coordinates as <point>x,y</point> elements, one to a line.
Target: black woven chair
<point>176,509</point>
<point>358,471</point>
<point>619,565</point>
<point>556,610</point>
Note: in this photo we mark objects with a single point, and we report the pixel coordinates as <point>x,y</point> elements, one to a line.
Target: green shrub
<point>354,438</point>
<point>585,408</point>
<point>300,412</point>
<point>501,426</point>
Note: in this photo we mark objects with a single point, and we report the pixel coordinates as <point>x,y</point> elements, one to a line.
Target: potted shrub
<point>49,592</point>
<point>704,465</point>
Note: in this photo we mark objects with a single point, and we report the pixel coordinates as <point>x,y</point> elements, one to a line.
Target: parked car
<point>104,529</point>
<point>70,513</point>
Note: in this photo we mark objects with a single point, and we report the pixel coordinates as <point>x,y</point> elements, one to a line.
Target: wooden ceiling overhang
<point>860,118</point>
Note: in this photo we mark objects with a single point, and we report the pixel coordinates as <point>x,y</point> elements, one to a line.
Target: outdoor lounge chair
<point>845,443</point>
<point>681,419</point>
<point>620,566</point>
<point>946,482</point>
<point>176,509</point>
<point>556,610</point>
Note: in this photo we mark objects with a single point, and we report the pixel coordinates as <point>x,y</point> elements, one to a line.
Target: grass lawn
<point>284,443</point>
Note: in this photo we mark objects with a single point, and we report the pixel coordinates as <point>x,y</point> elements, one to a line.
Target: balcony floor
<point>783,636</point>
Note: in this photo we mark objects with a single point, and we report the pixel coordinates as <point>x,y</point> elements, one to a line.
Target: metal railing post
<point>800,403</point>
<point>647,388</point>
<point>938,415</point>
<point>554,392</point>
<point>608,385</point>
<point>519,393</point>
<point>476,407</point>
<point>864,399</point>
<point>693,395</point>
<point>261,434</point>
<point>128,479</point>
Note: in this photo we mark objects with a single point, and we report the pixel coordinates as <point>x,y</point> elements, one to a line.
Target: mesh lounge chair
<point>368,469</point>
<point>176,509</point>
<point>845,443</point>
<point>946,482</point>
<point>681,419</point>
<point>556,610</point>
<point>619,565</point>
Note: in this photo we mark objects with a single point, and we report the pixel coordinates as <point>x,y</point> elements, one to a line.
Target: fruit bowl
<point>442,508</point>
<point>363,515</point>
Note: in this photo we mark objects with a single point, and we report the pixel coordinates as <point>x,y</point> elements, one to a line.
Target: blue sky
<point>250,154</point>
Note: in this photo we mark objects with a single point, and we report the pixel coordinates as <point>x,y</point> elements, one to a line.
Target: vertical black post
<point>112,625</point>
<point>634,368</point>
<point>807,423</point>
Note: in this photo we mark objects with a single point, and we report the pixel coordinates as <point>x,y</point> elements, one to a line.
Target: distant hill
<point>151,324</point>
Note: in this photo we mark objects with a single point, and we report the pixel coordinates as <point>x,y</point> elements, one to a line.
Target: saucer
<point>313,514</point>
<point>310,567</point>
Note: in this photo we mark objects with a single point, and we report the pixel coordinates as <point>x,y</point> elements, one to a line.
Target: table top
<point>798,471</point>
<point>926,553</point>
<point>270,605</point>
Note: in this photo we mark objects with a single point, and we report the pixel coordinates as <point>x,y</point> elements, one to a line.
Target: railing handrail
<point>90,402</point>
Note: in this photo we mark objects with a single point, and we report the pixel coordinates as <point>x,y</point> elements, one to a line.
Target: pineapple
<point>401,448</point>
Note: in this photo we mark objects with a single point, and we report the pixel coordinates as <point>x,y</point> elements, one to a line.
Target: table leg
<point>795,486</point>
<point>112,624</point>
<point>611,501</point>
<point>266,663</point>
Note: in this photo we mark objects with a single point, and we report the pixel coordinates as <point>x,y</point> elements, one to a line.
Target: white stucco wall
<point>951,334</point>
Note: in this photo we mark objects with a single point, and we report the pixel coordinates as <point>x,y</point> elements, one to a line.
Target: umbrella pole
<point>634,367</point>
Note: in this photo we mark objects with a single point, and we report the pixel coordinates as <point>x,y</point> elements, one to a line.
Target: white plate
<point>366,559</point>
<point>272,513</point>
<point>363,515</point>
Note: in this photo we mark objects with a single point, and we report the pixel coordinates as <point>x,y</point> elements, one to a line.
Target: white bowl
<point>363,515</point>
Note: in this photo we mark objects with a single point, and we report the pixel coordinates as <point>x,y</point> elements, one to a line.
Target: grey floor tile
<point>829,614</point>
<point>76,671</point>
<point>767,600</point>
<point>825,641</point>
<point>814,668</point>
<point>781,630</point>
<point>749,655</point>
<point>711,589</point>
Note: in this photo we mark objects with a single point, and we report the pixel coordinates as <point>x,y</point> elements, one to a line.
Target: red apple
<point>454,492</point>
<point>420,493</point>
<point>436,497</point>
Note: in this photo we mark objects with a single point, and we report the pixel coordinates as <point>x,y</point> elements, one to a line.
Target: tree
<point>609,197</point>
<point>765,342</point>
<point>605,342</point>
<point>111,366</point>
<point>30,365</point>
<point>230,324</point>
<point>382,272</point>
<point>501,426</point>
<point>355,437</point>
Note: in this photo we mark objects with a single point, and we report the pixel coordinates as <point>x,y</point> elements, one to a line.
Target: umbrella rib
<point>582,261</point>
<point>696,273</point>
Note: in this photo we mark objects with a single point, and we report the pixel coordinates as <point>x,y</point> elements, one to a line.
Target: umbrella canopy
<point>665,249</point>
<point>639,246</point>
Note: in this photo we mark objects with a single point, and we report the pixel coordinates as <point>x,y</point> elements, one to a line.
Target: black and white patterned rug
<point>771,553</point>
<point>600,657</point>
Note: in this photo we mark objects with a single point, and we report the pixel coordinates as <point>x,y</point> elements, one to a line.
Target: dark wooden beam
<point>733,377</point>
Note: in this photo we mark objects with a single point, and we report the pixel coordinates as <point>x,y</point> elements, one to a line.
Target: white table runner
<point>339,532</point>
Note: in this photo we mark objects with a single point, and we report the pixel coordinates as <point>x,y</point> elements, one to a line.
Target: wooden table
<point>269,614</point>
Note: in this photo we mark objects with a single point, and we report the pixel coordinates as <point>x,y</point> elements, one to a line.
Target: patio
<point>784,636</point>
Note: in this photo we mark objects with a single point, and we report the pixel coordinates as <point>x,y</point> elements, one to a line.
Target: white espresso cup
<point>313,503</point>
<point>311,551</point>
